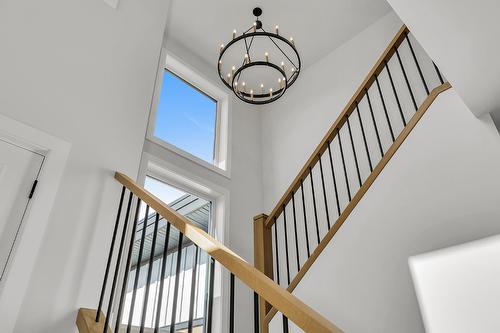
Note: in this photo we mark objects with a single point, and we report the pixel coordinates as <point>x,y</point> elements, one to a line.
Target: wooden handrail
<point>363,189</point>
<point>294,309</point>
<point>342,118</point>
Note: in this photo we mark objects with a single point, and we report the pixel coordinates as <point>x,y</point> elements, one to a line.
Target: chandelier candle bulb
<point>244,87</point>
<point>277,29</point>
<point>262,87</point>
<point>270,92</point>
<point>254,26</point>
<point>234,33</point>
<point>247,59</point>
<point>232,70</point>
<point>267,56</point>
<point>279,82</point>
<point>283,66</point>
<point>251,94</point>
<point>221,47</point>
<point>229,78</point>
<point>291,41</point>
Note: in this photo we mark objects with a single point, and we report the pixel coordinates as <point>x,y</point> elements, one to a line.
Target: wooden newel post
<point>263,260</point>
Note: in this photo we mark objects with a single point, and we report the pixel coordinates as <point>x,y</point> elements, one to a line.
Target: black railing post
<point>406,80</point>
<point>334,178</point>
<point>324,192</point>
<point>305,217</point>
<point>395,93</point>
<point>117,266</point>
<point>295,231</point>
<point>150,270</point>
<point>231,304</point>
<point>210,297</point>
<point>193,288</point>
<point>364,137</point>
<point>418,66</point>
<point>162,278</point>
<point>176,285</point>
<point>137,270</point>
<point>374,123</point>
<point>127,267</point>
<point>110,255</point>
<point>314,205</point>
<point>286,245</point>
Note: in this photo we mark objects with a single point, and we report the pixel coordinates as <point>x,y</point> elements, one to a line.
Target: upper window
<point>186,117</point>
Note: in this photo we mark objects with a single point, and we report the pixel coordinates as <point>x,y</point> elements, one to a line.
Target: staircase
<point>395,94</point>
<point>327,189</point>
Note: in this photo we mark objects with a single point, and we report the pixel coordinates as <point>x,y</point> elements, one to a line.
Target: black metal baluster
<point>305,218</point>
<point>438,73</point>
<point>231,305</point>
<point>197,286</point>
<point>170,270</point>
<point>314,204</point>
<point>286,246</point>
<point>210,298</point>
<point>127,267</point>
<point>345,169</point>
<point>324,193</point>
<point>176,284</point>
<point>255,312</point>
<point>374,123</point>
<point>354,152</point>
<point>395,93</point>
<point>110,256</point>
<point>364,137</point>
<point>183,283</point>
<point>418,66</point>
<point>162,278</point>
<point>193,287</point>
<point>137,269</point>
<point>117,266</point>
<point>334,179</point>
<point>295,229</point>
<point>150,270</point>
<point>385,108</point>
<point>277,253</point>
<point>285,324</point>
<point>406,80</point>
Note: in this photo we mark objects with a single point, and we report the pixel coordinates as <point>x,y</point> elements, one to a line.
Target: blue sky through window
<point>186,117</point>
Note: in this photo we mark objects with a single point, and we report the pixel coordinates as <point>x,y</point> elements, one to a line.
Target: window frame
<point>162,170</point>
<point>221,153</point>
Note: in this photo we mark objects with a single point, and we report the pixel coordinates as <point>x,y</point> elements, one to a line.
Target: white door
<point>19,168</point>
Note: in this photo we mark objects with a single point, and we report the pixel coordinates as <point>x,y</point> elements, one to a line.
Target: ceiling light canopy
<point>258,65</point>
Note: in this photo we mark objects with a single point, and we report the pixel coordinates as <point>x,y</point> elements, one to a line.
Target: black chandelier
<point>261,78</point>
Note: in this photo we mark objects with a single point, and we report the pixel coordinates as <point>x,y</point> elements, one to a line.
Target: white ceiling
<point>318,26</point>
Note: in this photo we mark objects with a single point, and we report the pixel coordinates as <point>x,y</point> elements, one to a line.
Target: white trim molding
<point>56,151</point>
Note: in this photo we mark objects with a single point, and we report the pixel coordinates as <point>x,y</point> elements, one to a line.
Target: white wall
<point>440,189</point>
<point>458,36</point>
<point>457,287</point>
<point>82,72</point>
<point>313,103</point>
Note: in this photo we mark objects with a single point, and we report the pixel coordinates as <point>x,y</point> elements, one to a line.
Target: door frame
<point>18,275</point>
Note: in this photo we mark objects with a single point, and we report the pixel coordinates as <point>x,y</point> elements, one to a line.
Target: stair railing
<point>127,301</point>
<point>377,119</point>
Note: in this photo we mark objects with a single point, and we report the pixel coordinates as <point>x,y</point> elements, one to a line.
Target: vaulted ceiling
<point>318,26</point>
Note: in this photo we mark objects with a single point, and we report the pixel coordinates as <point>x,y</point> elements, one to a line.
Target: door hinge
<point>33,189</point>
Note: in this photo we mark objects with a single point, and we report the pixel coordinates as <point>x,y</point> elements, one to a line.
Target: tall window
<point>186,118</point>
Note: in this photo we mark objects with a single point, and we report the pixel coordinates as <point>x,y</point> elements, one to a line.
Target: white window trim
<point>222,151</point>
<point>184,180</point>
